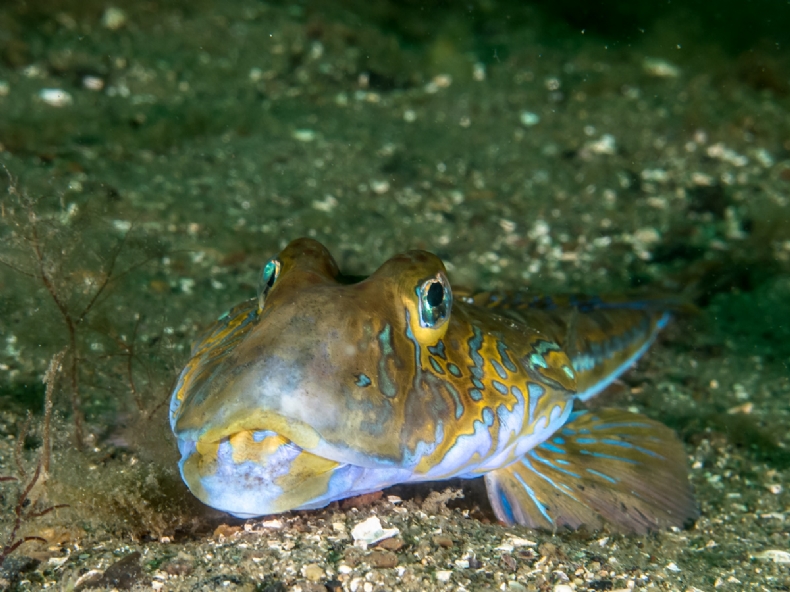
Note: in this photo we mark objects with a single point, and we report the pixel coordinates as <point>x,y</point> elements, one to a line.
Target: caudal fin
<point>609,468</point>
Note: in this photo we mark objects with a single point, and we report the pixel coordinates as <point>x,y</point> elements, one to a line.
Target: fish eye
<point>269,275</point>
<point>436,300</point>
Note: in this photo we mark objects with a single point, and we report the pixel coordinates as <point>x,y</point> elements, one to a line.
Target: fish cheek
<point>197,466</point>
<point>307,480</point>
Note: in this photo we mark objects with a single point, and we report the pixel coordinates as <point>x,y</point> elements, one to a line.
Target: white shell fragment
<point>380,187</point>
<point>660,68</point>
<point>303,135</point>
<point>519,542</point>
<point>775,555</point>
<point>93,83</point>
<point>605,145</point>
<point>370,532</point>
<point>528,118</point>
<point>55,97</point>
<point>672,566</point>
<point>113,18</point>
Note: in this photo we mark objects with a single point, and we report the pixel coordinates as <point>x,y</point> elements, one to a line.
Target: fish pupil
<point>435,301</point>
<point>435,295</point>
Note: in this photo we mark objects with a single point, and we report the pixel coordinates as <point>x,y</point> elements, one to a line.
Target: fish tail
<point>610,468</point>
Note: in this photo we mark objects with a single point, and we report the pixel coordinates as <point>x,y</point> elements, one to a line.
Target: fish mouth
<point>259,462</point>
<point>255,472</point>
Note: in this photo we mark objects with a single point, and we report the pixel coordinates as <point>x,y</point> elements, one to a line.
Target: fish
<point>328,386</point>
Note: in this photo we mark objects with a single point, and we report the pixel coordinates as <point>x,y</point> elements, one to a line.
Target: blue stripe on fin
<point>552,448</point>
<point>608,456</point>
<point>559,486</point>
<point>631,477</point>
<point>613,442</point>
<point>508,511</point>
<point>622,424</point>
<point>610,378</point>
<point>541,508</point>
<point>602,476</point>
<point>545,461</point>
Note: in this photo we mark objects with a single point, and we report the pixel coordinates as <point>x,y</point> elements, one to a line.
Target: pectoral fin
<point>605,468</point>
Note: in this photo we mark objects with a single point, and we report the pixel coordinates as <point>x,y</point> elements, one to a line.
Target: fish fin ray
<point>611,468</point>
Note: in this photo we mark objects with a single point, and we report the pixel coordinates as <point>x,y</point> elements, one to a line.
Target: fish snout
<point>254,473</point>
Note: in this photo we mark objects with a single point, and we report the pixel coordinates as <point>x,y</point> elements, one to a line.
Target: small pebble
<point>178,567</point>
<point>508,562</point>
<point>313,572</point>
<point>605,145</point>
<point>647,236</point>
<point>113,18</point>
<point>380,187</point>
<point>442,80</point>
<point>123,574</point>
<point>442,540</point>
<point>304,135</point>
<point>56,561</point>
<point>386,559</point>
<point>720,152</point>
<point>528,118</point>
<point>90,579</point>
<point>92,83</point>
<point>443,575</point>
<point>223,530</point>
<point>775,555</point>
<point>672,566</point>
<point>392,544</point>
<point>325,205</point>
<point>660,68</point>
<point>352,556</point>
<point>764,157</point>
<point>55,97</point>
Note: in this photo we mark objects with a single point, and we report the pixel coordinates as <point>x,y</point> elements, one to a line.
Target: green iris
<point>270,273</point>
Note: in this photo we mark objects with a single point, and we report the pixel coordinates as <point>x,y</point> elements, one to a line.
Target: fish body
<point>324,388</point>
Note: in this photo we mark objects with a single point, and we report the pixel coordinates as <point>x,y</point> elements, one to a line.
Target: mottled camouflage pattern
<point>323,389</point>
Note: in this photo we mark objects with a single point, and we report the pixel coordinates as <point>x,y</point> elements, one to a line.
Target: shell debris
<point>370,531</point>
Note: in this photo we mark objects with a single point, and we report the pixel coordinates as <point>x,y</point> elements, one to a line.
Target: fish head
<point>311,392</point>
